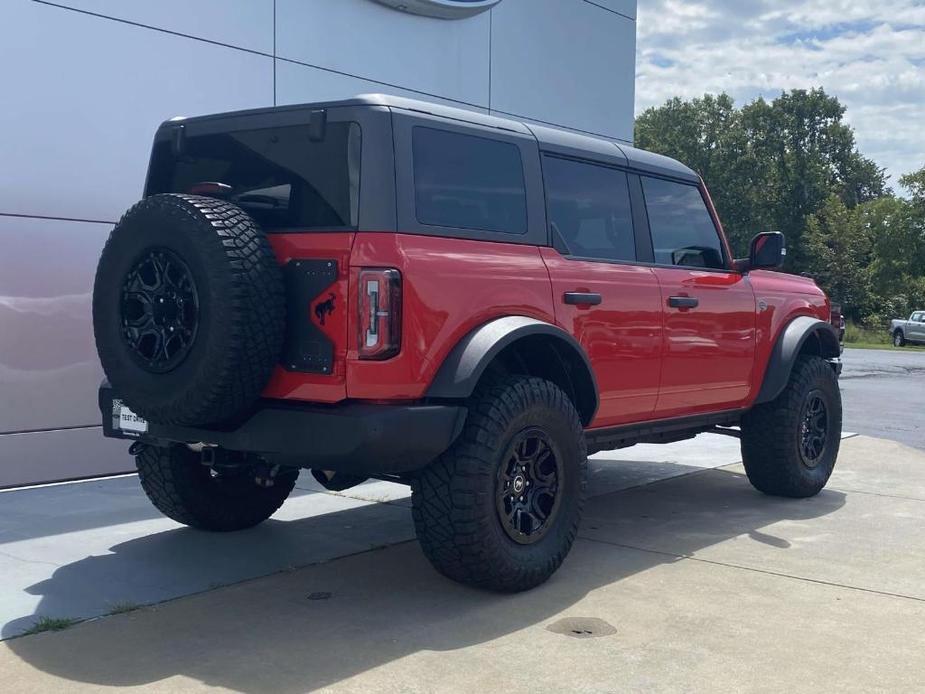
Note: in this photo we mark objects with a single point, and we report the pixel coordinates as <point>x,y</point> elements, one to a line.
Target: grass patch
<point>858,335</point>
<point>50,624</point>
<point>123,607</point>
<point>888,346</point>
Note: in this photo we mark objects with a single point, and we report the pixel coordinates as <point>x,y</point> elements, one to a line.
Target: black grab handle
<point>683,302</point>
<point>582,298</point>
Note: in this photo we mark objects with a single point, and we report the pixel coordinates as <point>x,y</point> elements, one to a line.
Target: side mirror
<point>768,251</point>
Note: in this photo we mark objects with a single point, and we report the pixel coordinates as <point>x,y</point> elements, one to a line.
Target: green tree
<point>770,164</point>
<point>838,250</point>
<point>915,183</point>
<point>897,269</point>
<point>810,154</point>
<point>896,231</point>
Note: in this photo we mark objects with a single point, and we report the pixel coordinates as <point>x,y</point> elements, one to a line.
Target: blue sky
<point>871,55</point>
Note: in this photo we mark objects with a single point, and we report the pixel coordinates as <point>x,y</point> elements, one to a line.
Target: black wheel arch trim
<point>789,346</point>
<point>464,366</point>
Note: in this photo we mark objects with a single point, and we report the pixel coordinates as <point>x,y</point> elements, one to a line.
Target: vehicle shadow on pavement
<point>166,565</point>
<point>317,626</point>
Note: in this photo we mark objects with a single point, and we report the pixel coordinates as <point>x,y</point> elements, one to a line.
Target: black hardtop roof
<point>552,139</point>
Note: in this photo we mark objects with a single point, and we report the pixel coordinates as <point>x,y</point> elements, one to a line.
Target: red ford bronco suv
<point>385,288</point>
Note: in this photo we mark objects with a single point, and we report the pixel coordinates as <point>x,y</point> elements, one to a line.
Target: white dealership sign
<point>443,9</point>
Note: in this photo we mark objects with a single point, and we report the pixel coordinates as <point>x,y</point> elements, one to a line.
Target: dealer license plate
<point>126,420</point>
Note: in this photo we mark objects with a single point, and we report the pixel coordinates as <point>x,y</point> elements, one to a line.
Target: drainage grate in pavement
<point>582,628</point>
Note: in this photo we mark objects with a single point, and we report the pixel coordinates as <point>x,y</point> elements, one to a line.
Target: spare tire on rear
<point>188,309</point>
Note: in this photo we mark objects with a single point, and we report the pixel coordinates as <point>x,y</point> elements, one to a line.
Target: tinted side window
<point>589,207</point>
<point>280,176</point>
<point>682,229</point>
<point>468,182</point>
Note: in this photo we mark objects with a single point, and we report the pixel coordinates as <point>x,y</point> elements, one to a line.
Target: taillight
<point>379,313</point>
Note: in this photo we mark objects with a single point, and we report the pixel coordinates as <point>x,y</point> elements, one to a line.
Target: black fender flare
<point>460,372</point>
<point>788,347</point>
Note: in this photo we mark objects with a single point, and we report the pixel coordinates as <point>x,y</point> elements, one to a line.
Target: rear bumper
<point>354,438</point>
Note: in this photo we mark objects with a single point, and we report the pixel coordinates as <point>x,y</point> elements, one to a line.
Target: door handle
<point>582,298</point>
<point>683,302</point>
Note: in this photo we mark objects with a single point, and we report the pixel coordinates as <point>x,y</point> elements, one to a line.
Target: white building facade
<point>85,83</point>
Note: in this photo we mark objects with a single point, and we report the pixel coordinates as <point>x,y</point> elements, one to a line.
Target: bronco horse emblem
<point>325,308</point>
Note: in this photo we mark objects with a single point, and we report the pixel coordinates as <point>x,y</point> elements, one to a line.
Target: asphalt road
<point>884,394</point>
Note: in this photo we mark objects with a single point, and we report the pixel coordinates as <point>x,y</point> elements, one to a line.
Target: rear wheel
<point>789,445</point>
<point>500,509</point>
<point>219,499</point>
<point>899,340</point>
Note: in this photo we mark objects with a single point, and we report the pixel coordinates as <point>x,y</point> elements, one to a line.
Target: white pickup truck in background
<point>909,331</point>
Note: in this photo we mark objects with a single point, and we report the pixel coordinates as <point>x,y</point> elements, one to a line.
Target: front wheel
<point>789,445</point>
<point>500,509</point>
<point>899,340</point>
<point>221,500</point>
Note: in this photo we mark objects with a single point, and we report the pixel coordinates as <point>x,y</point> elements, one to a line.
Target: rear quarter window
<point>280,176</point>
<point>468,182</point>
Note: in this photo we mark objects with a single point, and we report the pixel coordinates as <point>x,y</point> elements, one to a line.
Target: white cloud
<point>870,55</point>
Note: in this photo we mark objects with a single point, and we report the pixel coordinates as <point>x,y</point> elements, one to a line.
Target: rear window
<point>468,182</point>
<point>280,176</point>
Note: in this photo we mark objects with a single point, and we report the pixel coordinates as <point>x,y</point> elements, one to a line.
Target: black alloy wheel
<point>528,486</point>
<point>159,310</point>
<point>814,429</point>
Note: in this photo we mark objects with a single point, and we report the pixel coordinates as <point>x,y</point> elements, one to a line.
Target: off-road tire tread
<point>451,526</point>
<point>769,455</point>
<point>256,304</point>
<point>180,487</point>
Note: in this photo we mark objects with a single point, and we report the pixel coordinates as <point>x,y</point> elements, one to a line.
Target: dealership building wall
<point>86,82</point>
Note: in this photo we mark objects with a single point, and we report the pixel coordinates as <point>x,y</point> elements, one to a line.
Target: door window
<point>682,229</point>
<point>588,206</point>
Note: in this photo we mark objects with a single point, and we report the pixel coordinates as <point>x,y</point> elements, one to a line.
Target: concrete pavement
<point>884,394</point>
<point>691,582</point>
<point>81,550</point>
